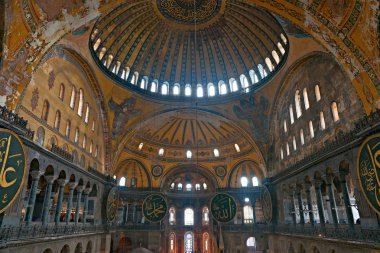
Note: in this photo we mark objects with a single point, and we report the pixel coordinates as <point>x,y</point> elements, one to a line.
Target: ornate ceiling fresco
<point>177,42</point>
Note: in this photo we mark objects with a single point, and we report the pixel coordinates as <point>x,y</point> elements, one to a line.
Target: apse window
<point>216,152</point>
<point>255,181</point>
<point>179,187</point>
<point>211,90</point>
<point>141,146</point>
<point>189,154</point>
<point>197,187</point>
<point>122,181</point>
<point>189,187</point>
<point>237,148</point>
<point>188,90</point>
<point>204,186</point>
<point>161,152</point>
<point>199,91</point>
<point>165,89</point>
<point>189,217</point>
<point>176,89</point>
<point>335,113</point>
<point>244,182</point>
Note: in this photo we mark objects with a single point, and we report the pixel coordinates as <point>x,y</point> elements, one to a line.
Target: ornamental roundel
<point>112,204</point>
<point>157,170</point>
<point>266,201</point>
<point>12,167</point>
<point>154,208</point>
<point>223,207</point>
<point>220,171</point>
<point>368,169</point>
<point>189,11</point>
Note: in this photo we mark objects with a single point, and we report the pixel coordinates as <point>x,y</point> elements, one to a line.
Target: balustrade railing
<point>16,121</point>
<point>62,153</point>
<point>11,233</point>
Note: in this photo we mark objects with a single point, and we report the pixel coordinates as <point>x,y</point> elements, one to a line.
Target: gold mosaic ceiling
<point>146,45</point>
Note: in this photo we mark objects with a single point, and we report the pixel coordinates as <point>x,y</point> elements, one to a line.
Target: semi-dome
<point>178,49</point>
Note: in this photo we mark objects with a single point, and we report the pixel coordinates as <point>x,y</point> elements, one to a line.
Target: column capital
<point>308,185</point>
<point>86,191</point>
<point>329,179</point>
<point>342,175</point>
<point>35,174</point>
<point>318,183</point>
<point>49,179</point>
<point>80,188</point>
<point>72,185</point>
<point>61,182</point>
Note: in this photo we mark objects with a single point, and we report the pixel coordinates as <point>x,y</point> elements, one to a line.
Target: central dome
<point>182,49</point>
<point>189,11</point>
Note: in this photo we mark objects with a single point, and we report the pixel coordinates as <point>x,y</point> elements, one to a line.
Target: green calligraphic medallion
<point>112,204</point>
<point>154,208</point>
<point>368,165</point>
<point>223,207</point>
<point>267,205</point>
<point>12,167</point>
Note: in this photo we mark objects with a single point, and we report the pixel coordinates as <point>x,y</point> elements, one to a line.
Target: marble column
<point>300,205</point>
<point>72,186</point>
<point>346,198</point>
<point>332,199</point>
<point>254,210</point>
<point>321,209</point>
<point>46,206</point>
<point>77,206</point>
<point>85,204</point>
<point>61,192</point>
<point>293,207</point>
<point>134,213</point>
<point>125,213</point>
<point>309,202</point>
<point>32,195</point>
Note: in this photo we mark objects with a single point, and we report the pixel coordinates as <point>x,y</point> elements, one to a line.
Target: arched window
<point>141,146</point>
<point>45,111</point>
<point>189,217</point>
<point>297,99</point>
<point>189,187</point>
<point>281,48</point>
<point>76,139</point>
<point>57,120</point>
<point>81,102</point>
<point>206,243</point>
<point>40,138</point>
<point>134,78</point>
<point>109,60</point>
<point>244,82</point>
<point>291,114</point>
<point>237,148</point>
<point>96,151</point>
<point>179,186</point>
<point>172,216</point>
<point>61,91</point>
<point>269,64</point>
<point>283,38</point>
<point>116,70</point>
<point>172,185</point>
<point>153,87</point>
<point>216,152</point>
<point>205,216</point>
<point>93,126</point>
<point>176,89</point>
<point>84,143</point>
<point>68,128</point>
<point>91,146</point>
<point>97,43</point>
<point>282,153</point>
<point>222,88</point>
<point>322,121</point>
<point>317,93</point>
<point>253,76</point>
<point>102,53</point>
<point>262,71</point>
<point>306,99</point>
<point>199,91</point>
<point>311,129</point>
<point>165,88</point>
<point>144,82</point>
<point>233,85</point>
<point>133,182</point>
<point>189,242</point>
<point>248,214</point>
<point>126,73</point>
<point>244,182</point>
<point>188,90</point>
<point>211,90</point>
<point>197,187</point>
<point>172,243</point>
<point>161,152</point>
<point>285,126</point>
<point>287,149</point>
<point>334,110</point>
<point>275,56</point>
<point>122,181</point>
<point>294,143</point>
<point>251,242</point>
<point>255,181</point>
<point>302,137</point>
<point>189,154</point>
<point>204,186</point>
<point>87,113</point>
<point>72,99</point>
